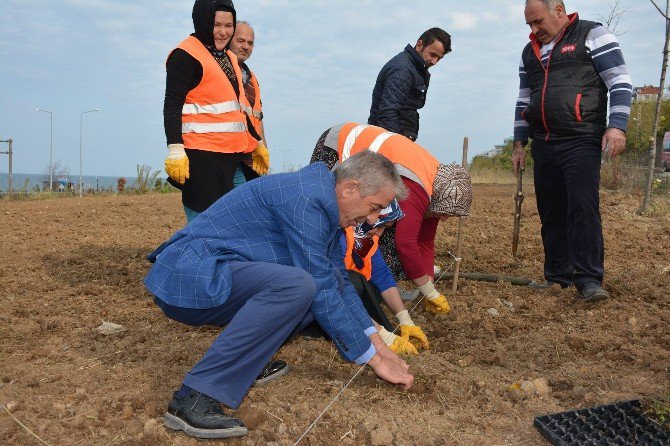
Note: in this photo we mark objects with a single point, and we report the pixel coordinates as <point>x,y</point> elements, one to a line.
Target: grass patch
<point>659,411</point>
<point>498,176</point>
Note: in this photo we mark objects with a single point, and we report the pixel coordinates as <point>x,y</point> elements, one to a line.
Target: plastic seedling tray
<point>613,424</point>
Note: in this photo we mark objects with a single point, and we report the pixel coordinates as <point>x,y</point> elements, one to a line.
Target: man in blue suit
<point>265,260</point>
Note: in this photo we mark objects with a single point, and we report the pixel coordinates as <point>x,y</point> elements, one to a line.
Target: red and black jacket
<point>568,98</point>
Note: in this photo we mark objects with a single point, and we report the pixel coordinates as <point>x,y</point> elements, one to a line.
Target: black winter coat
<point>400,91</point>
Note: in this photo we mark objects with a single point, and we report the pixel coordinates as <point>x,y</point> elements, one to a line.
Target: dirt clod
<point>381,437</point>
<point>541,387</point>
<point>11,406</point>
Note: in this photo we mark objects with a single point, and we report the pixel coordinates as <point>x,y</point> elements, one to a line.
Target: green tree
<point>502,159</point>
<point>640,126</point>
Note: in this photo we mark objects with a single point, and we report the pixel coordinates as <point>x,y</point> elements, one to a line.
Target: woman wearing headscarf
<point>374,281</point>
<point>208,132</point>
<point>436,192</point>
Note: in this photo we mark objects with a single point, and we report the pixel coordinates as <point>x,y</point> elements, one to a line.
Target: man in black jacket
<point>402,84</point>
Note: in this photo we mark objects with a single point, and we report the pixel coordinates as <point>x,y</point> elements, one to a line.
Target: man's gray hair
<point>550,4</point>
<point>244,22</point>
<point>373,172</point>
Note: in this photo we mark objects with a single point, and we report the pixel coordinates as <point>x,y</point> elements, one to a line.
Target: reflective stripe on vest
<point>215,127</point>
<point>345,151</point>
<point>353,137</point>
<point>212,117</point>
<point>351,140</point>
<point>379,140</point>
<point>250,111</point>
<point>221,107</point>
<point>366,271</point>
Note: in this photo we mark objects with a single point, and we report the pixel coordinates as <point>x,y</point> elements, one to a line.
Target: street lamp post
<point>81,133</point>
<point>284,163</point>
<point>51,150</point>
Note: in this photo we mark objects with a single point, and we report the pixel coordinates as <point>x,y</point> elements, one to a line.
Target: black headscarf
<point>203,19</point>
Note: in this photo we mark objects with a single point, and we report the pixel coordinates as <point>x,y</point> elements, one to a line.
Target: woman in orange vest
<point>374,282</point>
<point>436,192</point>
<point>208,132</point>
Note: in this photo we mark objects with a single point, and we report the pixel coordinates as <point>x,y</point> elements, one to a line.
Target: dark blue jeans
<point>567,180</point>
<point>267,305</point>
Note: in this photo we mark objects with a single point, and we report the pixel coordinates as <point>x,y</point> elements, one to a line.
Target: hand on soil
<point>385,352</point>
<point>391,371</point>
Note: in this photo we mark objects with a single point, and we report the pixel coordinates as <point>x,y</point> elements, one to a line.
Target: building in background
<point>646,93</point>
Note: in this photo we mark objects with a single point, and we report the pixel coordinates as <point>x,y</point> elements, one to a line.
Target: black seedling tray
<point>614,424</point>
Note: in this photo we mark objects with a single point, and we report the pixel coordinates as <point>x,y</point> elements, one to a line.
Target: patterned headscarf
<point>452,191</point>
<point>362,243</point>
<point>390,213</point>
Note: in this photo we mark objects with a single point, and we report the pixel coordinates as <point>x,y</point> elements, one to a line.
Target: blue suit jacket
<point>290,219</point>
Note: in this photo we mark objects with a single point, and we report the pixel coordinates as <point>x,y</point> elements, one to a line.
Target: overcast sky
<point>316,60</point>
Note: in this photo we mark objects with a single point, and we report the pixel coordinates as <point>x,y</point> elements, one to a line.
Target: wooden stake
<point>461,222</point>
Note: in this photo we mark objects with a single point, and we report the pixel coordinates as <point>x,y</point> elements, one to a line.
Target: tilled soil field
<point>68,265</point>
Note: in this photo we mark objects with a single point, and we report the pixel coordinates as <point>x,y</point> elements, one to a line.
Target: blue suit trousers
<point>267,305</point>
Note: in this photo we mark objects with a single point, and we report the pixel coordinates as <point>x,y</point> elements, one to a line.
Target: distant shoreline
<point>41,180</point>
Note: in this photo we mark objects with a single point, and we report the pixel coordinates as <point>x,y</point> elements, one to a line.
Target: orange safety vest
<point>212,117</point>
<point>367,260</point>
<point>255,112</point>
<point>400,150</point>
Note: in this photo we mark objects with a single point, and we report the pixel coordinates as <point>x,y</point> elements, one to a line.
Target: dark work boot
<point>271,371</point>
<point>201,416</point>
<point>542,286</point>
<point>593,292</point>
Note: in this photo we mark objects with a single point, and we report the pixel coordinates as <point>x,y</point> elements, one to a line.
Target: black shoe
<point>271,371</point>
<point>313,331</point>
<point>201,416</point>
<point>543,286</point>
<point>593,292</point>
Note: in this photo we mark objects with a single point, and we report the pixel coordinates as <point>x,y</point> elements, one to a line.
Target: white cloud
<point>463,21</point>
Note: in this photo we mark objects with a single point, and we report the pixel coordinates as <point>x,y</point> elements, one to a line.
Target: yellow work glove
<point>260,159</point>
<point>434,301</point>
<point>409,330</point>
<point>176,163</point>
<point>414,332</point>
<point>402,346</point>
<point>438,304</point>
<point>397,344</point>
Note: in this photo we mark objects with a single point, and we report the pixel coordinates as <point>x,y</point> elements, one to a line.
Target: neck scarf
<point>362,242</point>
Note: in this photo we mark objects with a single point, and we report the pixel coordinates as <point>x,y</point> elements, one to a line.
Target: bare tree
<point>55,171</point>
<point>657,114</point>
<point>611,21</point>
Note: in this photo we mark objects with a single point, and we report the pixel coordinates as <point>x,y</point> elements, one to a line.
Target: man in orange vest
<point>242,45</point>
